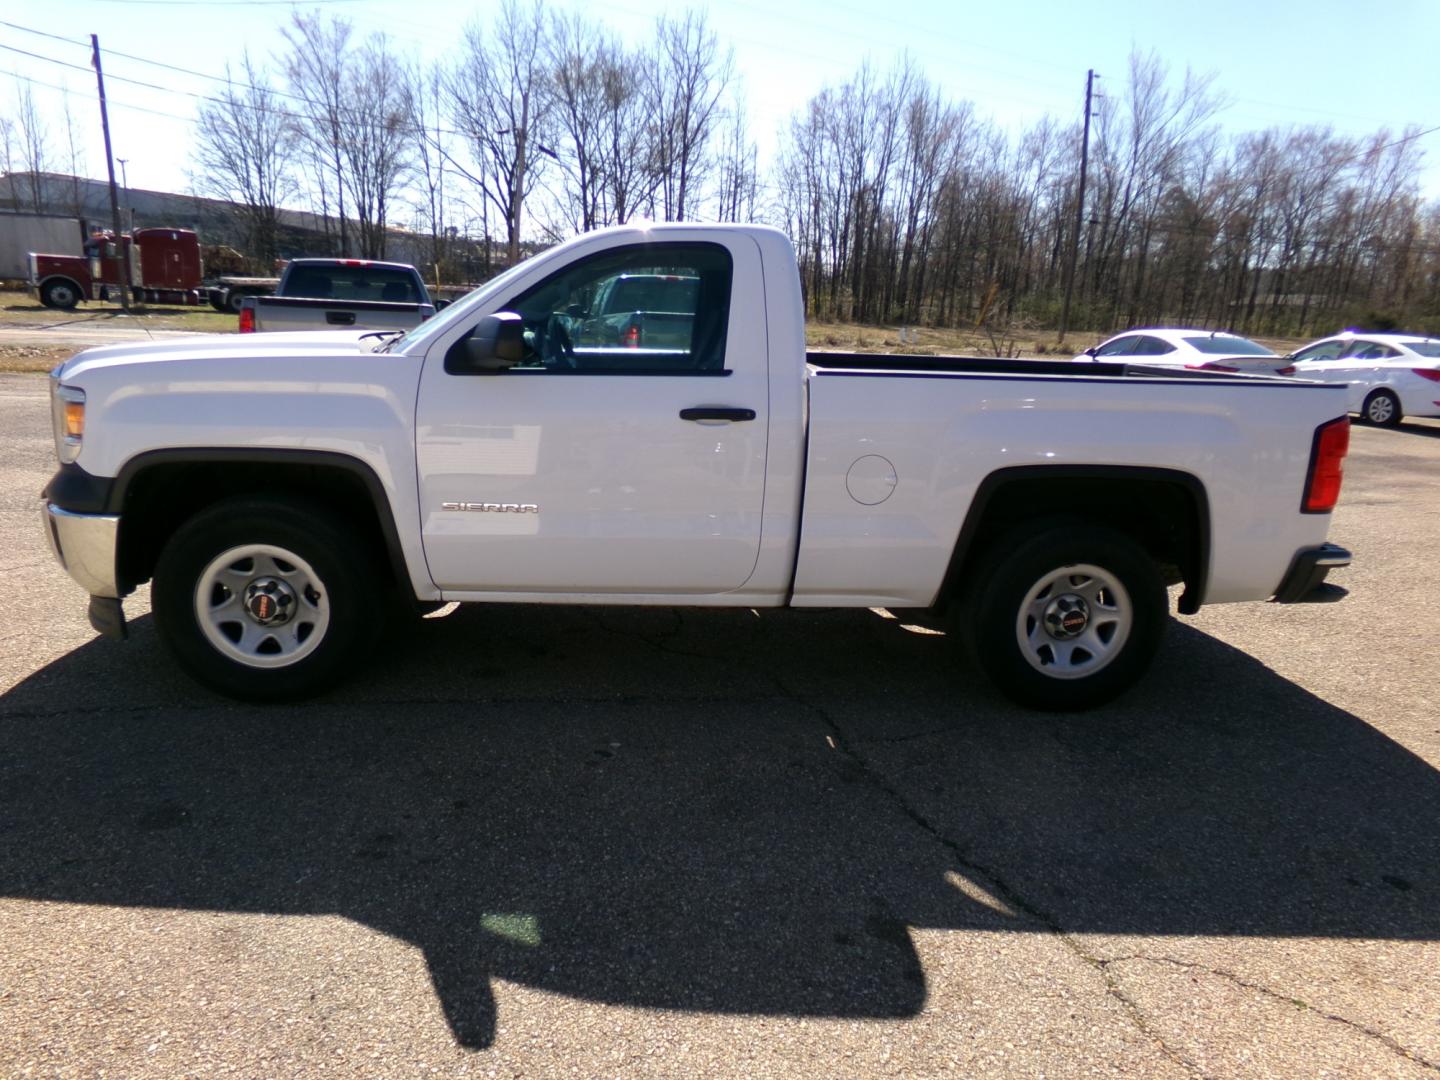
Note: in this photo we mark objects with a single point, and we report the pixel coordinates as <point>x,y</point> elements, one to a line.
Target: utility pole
<point>125,185</point>
<point>122,252</point>
<point>1090,78</point>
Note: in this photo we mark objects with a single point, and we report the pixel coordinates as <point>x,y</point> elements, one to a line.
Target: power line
<point>229,3</point>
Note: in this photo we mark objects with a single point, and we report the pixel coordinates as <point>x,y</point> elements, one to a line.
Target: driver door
<point>603,464</point>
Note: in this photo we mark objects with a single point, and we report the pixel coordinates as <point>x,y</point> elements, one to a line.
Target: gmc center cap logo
<point>262,606</point>
<point>1073,622</point>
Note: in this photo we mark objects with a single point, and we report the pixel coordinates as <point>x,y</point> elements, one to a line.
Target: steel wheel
<point>262,606</point>
<point>60,294</point>
<point>1062,614</point>
<point>1074,621</point>
<point>1382,408</point>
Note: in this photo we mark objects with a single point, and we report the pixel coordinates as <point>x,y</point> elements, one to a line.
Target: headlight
<point>67,414</point>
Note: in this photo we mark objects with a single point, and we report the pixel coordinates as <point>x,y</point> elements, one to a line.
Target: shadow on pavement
<point>718,811</point>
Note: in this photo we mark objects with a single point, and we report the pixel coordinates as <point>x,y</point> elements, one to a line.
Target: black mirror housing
<point>496,344</point>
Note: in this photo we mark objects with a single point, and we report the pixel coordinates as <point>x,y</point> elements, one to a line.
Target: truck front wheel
<point>267,599</point>
<point>59,294</point>
<point>1065,619</point>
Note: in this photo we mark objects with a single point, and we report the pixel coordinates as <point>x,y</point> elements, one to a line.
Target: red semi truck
<point>166,267</point>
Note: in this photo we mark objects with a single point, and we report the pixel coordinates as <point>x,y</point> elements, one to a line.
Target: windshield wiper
<point>390,334</point>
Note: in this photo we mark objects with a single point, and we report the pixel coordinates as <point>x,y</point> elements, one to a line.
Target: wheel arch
<point>1167,511</point>
<point>154,492</point>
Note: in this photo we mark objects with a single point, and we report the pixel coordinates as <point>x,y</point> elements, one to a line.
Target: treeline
<point>540,125</point>
<point>905,206</point>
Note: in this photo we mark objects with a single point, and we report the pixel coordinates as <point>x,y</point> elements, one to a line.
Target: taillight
<point>247,320</point>
<point>632,337</point>
<point>1285,370</point>
<point>1212,367</point>
<point>1322,482</point>
<point>1433,374</point>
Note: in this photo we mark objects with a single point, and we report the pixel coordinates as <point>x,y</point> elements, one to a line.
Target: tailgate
<point>278,313</point>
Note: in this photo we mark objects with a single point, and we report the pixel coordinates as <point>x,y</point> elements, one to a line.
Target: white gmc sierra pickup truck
<point>278,490</point>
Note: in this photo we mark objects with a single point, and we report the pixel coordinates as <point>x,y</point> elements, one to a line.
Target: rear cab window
<point>353,283</point>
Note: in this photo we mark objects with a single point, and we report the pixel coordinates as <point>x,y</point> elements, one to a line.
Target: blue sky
<point>1356,67</point>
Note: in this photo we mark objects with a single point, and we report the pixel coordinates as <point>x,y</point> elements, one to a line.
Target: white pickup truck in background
<point>277,489</point>
<point>329,294</point>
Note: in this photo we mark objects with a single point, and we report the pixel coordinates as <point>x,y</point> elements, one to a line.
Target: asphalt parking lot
<point>617,842</point>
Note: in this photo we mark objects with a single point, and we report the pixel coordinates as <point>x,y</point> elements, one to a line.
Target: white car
<point>1199,350</point>
<point>1390,375</point>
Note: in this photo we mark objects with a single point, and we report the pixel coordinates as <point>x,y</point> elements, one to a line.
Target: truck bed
<point>837,362</point>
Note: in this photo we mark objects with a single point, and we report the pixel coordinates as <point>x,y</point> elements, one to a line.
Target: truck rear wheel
<point>233,300</point>
<point>266,599</point>
<point>1065,619</point>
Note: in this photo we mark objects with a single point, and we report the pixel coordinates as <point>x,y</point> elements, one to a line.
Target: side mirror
<point>1092,351</point>
<point>575,311</point>
<point>441,305</point>
<point>496,344</point>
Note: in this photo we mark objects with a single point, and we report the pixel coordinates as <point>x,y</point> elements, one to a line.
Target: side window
<point>1152,346</point>
<point>1372,350</point>
<point>647,309</point>
<point>1119,347</point>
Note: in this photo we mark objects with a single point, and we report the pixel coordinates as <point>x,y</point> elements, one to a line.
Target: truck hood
<point>224,347</point>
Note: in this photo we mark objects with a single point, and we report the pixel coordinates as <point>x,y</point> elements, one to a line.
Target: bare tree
<point>578,54</point>
<point>424,97</point>
<point>502,101</point>
<point>376,139</point>
<point>737,179</point>
<point>686,85</point>
<point>244,149</point>
<point>34,146</point>
<point>317,66</point>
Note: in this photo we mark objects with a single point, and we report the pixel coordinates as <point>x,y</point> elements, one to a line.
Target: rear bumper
<point>1307,572</point>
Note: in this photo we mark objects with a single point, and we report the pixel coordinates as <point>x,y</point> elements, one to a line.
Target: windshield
<point>1429,349</point>
<point>1227,345</point>
<point>459,310</point>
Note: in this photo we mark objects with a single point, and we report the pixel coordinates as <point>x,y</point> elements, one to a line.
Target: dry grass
<point>25,359</point>
<point>18,310</point>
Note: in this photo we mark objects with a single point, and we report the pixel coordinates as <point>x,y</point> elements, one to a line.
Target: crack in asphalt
<point>850,749</point>
<point>1013,897</point>
<point>1220,973</point>
<point>998,885</point>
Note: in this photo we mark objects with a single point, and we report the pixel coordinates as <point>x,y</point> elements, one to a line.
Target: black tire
<point>1007,578</point>
<point>1381,408</point>
<point>216,298</point>
<point>349,587</point>
<point>59,294</point>
<point>232,301</point>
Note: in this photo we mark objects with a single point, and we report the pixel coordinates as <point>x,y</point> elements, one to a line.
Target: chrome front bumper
<point>84,544</point>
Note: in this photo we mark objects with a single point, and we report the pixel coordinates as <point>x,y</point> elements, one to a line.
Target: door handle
<point>714,412</point>
<point>340,318</point>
